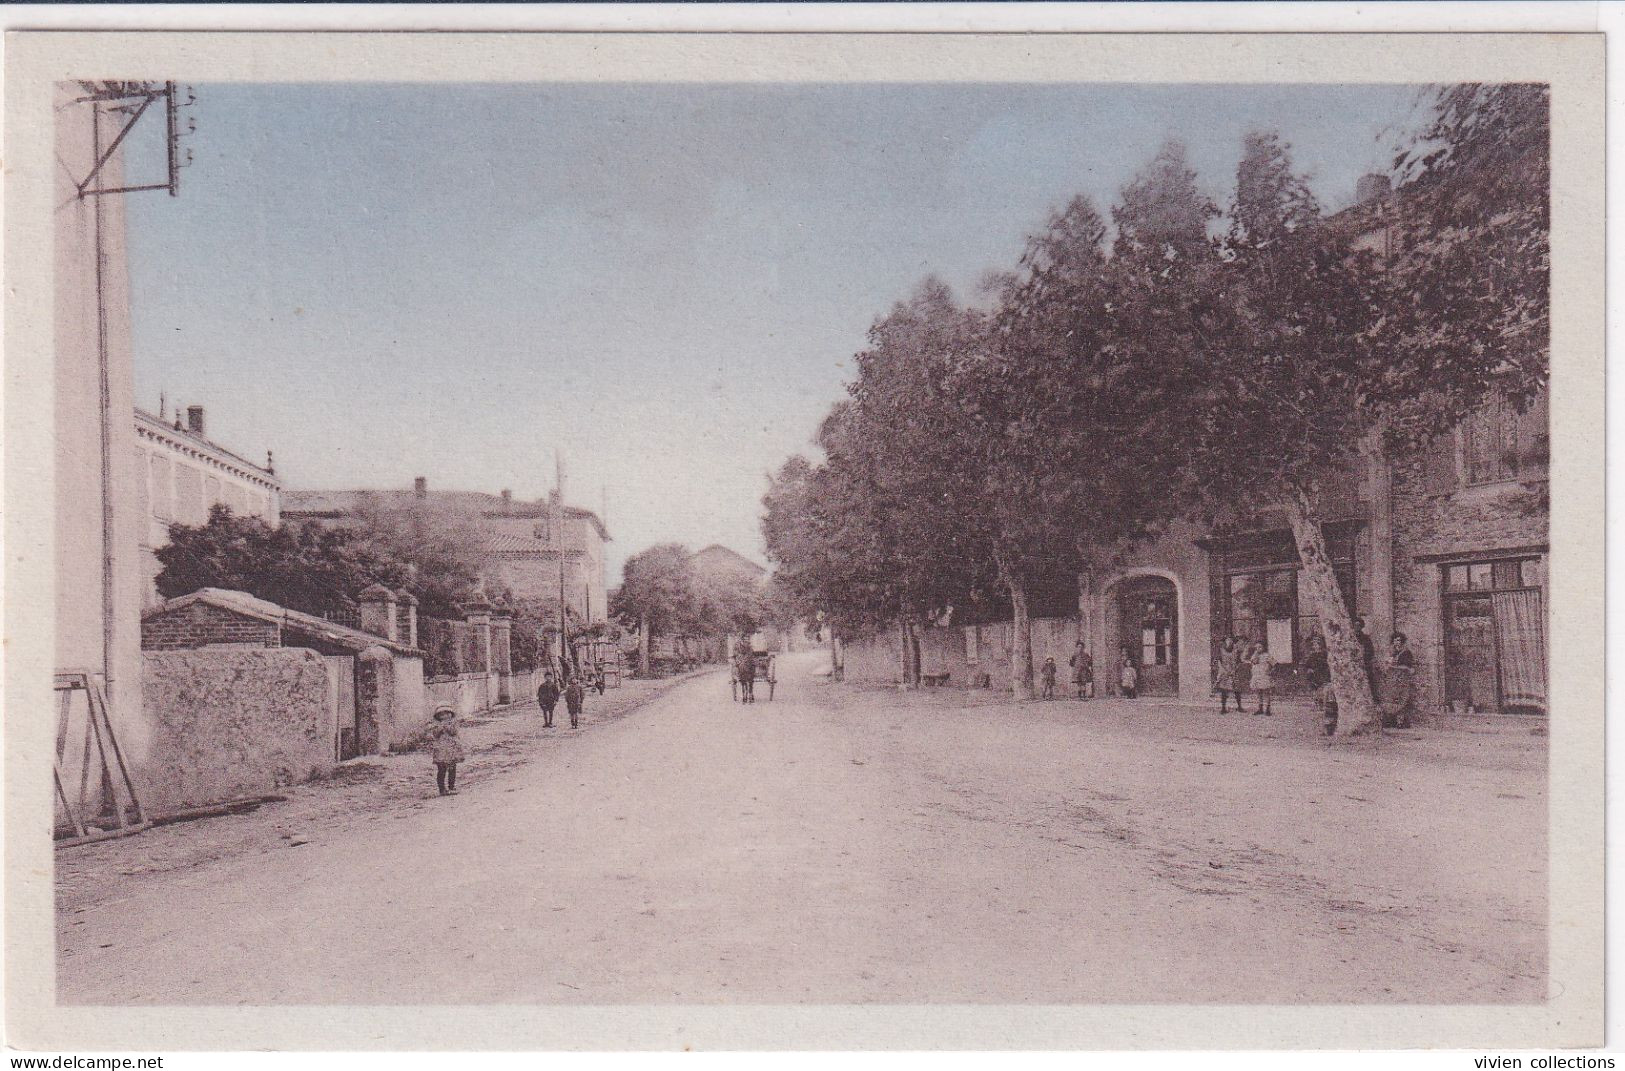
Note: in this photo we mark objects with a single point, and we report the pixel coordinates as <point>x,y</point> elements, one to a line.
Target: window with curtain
<point>1495,634</point>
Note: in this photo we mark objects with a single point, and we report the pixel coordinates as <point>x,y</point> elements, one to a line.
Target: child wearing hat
<point>446,749</point>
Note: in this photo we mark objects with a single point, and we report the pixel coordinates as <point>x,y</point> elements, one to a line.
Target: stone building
<point>181,474</point>
<point>522,543</point>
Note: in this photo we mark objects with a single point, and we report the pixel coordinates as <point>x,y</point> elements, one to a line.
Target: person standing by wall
<point>1049,678</point>
<point>1368,653</point>
<point>1318,667</point>
<point>1083,671</point>
<point>1400,689</point>
<point>1227,674</point>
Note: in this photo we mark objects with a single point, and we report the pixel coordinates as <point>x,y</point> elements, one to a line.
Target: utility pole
<point>558,535</point>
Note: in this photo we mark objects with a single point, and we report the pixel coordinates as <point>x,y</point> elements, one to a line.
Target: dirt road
<point>842,845</point>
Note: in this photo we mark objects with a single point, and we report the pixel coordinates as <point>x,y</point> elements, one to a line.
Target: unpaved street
<point>849,845</point>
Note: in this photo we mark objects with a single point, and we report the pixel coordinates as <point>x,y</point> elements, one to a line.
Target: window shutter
<point>1439,475</point>
<point>1534,437</point>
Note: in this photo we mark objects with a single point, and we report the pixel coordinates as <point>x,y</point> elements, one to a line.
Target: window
<point>1495,634</point>
<point>163,491</point>
<point>1263,599</point>
<point>1489,444</point>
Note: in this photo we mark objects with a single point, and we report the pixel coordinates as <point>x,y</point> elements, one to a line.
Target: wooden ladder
<point>100,761</point>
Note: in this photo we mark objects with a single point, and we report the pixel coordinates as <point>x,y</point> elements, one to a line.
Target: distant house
<point>181,474</point>
<point>720,562</point>
<point>523,543</point>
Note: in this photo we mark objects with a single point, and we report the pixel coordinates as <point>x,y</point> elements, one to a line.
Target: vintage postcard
<point>648,541</point>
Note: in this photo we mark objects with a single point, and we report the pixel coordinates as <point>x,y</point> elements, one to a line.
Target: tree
<point>1290,366</point>
<point>442,552</point>
<point>1039,401</point>
<point>656,596</point>
<point>302,567</point>
<point>891,527</point>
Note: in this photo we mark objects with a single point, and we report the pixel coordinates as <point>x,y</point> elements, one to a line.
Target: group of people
<point>1243,667</point>
<point>446,747</point>
<point>1391,685</point>
<point>1082,664</point>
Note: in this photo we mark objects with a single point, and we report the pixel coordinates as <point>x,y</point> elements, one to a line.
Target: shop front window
<point>1495,635</point>
<point>1265,608</point>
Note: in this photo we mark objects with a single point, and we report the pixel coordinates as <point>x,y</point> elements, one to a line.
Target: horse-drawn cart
<point>761,666</point>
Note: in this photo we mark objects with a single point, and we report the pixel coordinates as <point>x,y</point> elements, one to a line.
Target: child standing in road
<point>574,696</point>
<point>1049,678</point>
<point>1128,676</point>
<point>446,750</point>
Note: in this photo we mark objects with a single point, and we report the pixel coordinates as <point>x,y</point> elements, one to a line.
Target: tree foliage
<point>983,453</point>
<point>303,567</point>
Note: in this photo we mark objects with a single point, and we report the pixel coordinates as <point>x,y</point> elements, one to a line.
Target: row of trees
<point>663,594</point>
<point>1183,362</point>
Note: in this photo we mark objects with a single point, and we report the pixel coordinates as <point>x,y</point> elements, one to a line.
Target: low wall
<point>411,707</point>
<point>878,660</point>
<point>232,722</point>
<point>467,693</point>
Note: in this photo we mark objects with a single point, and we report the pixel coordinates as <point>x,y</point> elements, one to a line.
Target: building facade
<point>181,475</point>
<point>522,544</point>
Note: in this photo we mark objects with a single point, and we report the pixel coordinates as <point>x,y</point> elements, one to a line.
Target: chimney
<point>420,487</point>
<point>507,498</point>
<point>1372,187</point>
<point>194,420</point>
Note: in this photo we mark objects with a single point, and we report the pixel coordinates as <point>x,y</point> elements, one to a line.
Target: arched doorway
<point>1146,609</point>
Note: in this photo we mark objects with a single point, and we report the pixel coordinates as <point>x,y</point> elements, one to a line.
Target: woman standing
<point>1261,682</point>
<point>1319,669</point>
<point>1227,674</point>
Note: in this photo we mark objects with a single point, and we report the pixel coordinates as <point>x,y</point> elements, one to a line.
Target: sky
<point>663,283</point>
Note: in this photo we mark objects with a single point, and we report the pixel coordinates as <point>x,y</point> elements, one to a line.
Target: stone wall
<point>198,624</point>
<point>950,649</point>
<point>233,722</point>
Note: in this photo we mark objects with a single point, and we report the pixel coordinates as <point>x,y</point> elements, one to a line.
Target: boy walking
<point>574,696</point>
<point>1049,678</point>
<point>547,697</point>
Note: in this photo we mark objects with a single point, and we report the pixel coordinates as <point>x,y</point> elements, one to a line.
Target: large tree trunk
<point>643,646</point>
<point>1356,712</point>
<point>1021,653</point>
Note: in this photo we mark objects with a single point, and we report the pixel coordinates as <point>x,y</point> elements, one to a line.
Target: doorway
<point>341,695</point>
<point>1148,625</point>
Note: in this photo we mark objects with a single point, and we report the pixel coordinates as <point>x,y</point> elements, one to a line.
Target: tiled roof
<point>241,602</point>
<point>347,501</point>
